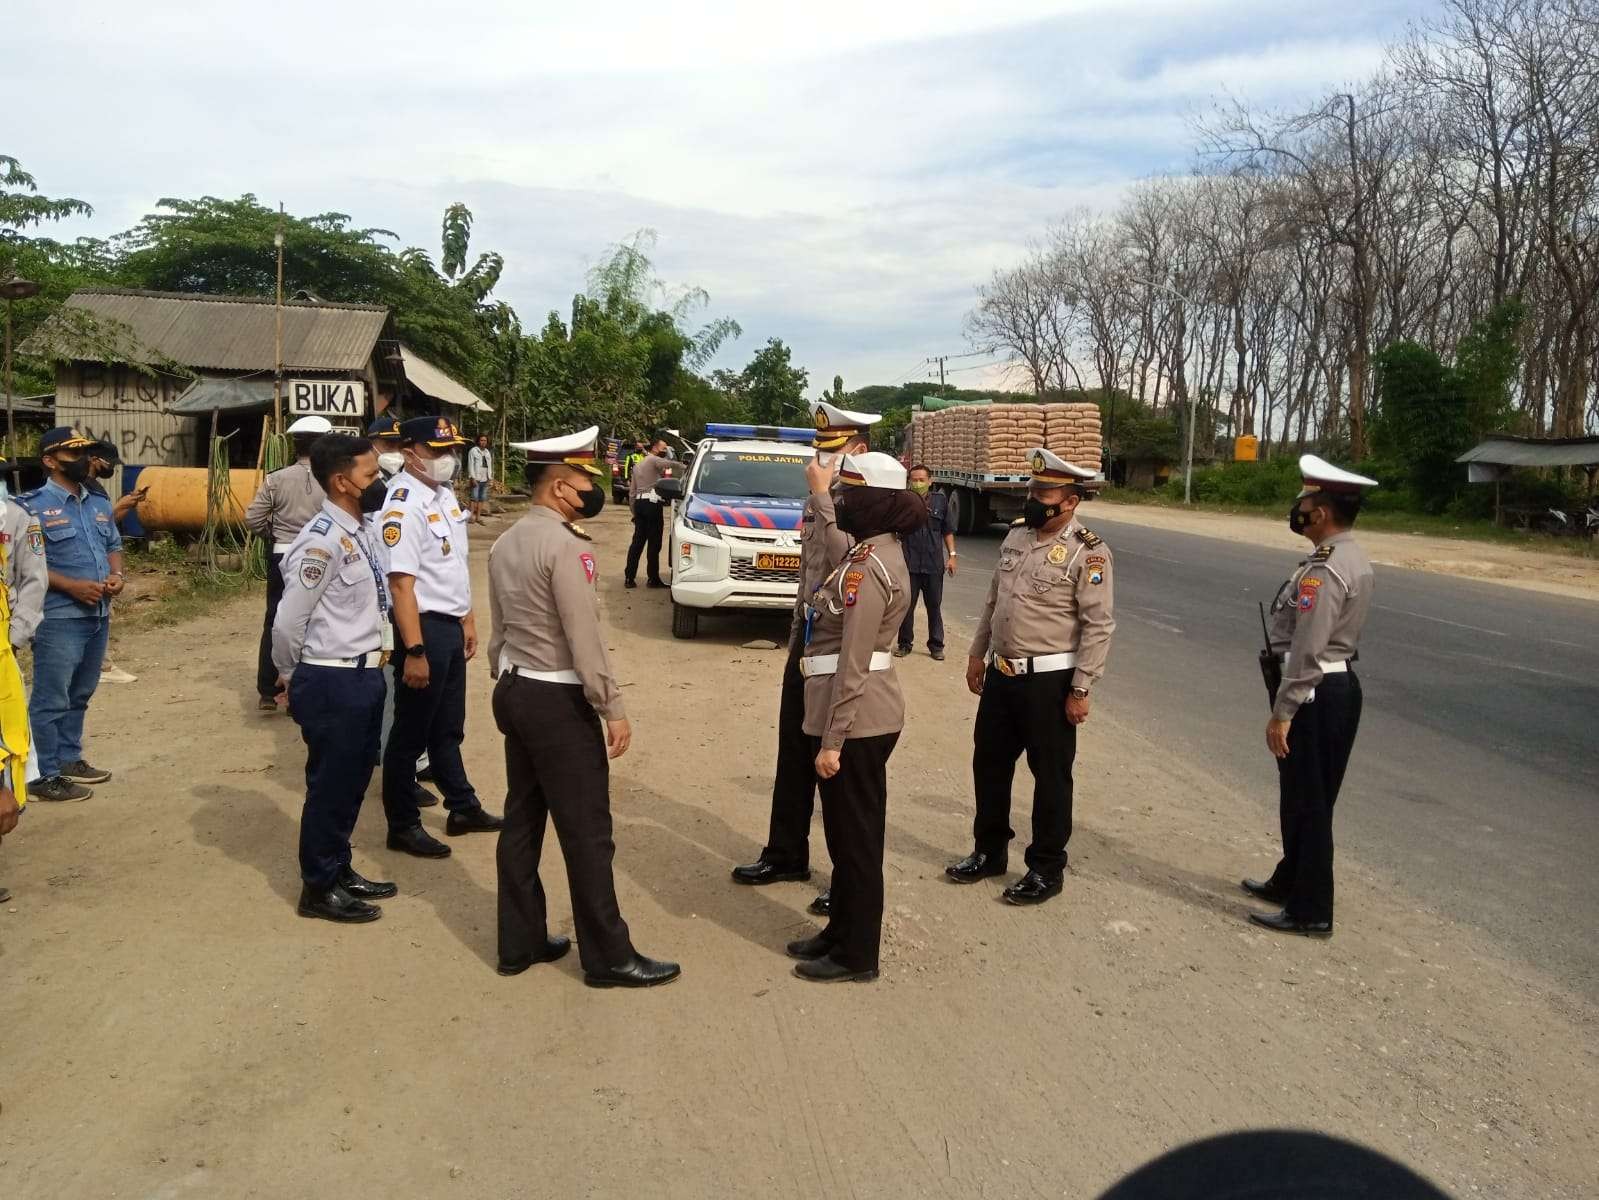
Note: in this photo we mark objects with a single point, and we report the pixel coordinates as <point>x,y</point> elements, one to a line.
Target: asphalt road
<point>1475,780</point>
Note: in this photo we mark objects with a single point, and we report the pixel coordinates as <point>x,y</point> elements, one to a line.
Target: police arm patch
<point>391,533</point>
<point>1308,589</point>
<point>588,565</point>
<point>852,586</point>
<point>311,572</point>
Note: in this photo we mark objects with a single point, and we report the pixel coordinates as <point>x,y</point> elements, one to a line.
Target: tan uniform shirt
<point>858,610</point>
<point>822,545</point>
<point>1318,615</point>
<point>1050,597</point>
<point>545,612</point>
<point>647,473</point>
<point>288,499</point>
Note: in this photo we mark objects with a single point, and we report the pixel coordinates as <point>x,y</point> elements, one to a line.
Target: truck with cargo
<point>977,453</point>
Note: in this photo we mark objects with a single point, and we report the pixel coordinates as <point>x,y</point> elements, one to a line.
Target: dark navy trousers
<point>340,713</point>
<point>430,719</point>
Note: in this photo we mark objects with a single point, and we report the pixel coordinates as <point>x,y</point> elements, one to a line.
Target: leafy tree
<point>57,267</point>
<point>1423,424</point>
<point>774,388</point>
<point>1487,361</point>
<point>226,247</point>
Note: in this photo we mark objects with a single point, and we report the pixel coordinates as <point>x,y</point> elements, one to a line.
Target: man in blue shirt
<point>929,553</point>
<point>83,552</point>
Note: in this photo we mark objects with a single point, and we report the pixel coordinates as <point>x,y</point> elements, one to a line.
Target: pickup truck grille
<point>745,571</point>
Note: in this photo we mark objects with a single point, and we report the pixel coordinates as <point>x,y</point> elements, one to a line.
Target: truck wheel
<point>685,621</point>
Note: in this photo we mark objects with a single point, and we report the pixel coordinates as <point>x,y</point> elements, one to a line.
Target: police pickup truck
<point>736,522</point>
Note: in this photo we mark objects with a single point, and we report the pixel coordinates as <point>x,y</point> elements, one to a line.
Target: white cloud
<point>840,175</point>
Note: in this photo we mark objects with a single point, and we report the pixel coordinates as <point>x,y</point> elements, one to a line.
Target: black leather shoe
<point>630,583</point>
<point>657,583</point>
<point>901,651</point>
<point>762,872</point>
<point>1281,922</point>
<point>809,948</point>
<point>639,972</point>
<point>472,820</point>
<point>975,866</point>
<point>1033,888</point>
<point>554,948</point>
<point>938,655</point>
<point>425,798</point>
<point>822,906</point>
<point>365,889</point>
<point>825,970</point>
<point>417,841</point>
<point>1264,891</point>
<point>424,775</point>
<point>336,904</point>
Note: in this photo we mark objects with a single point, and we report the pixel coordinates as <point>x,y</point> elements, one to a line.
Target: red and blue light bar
<point>768,433</point>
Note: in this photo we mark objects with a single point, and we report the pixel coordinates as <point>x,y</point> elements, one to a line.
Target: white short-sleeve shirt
<point>423,532</point>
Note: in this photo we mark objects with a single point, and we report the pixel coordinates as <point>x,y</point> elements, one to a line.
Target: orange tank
<point>176,502</point>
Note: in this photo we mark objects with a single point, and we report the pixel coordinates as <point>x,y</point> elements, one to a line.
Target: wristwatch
<point>416,651</point>
<point>1080,693</point>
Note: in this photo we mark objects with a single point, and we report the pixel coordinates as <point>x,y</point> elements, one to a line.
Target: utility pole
<point>940,360</point>
<point>277,370</point>
<point>13,289</point>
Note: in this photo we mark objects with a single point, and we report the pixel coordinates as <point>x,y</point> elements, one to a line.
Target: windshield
<point>753,473</point>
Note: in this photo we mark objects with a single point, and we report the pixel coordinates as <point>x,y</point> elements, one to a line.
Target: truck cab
<point>735,523</point>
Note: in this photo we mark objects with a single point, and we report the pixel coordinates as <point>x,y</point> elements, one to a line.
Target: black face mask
<point>590,502</point>
<point>1298,518</point>
<point>105,472</point>
<point>1036,514</point>
<point>76,470</point>
<point>372,497</point>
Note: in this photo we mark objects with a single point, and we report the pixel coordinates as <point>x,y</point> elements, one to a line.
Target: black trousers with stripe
<point>854,818</point>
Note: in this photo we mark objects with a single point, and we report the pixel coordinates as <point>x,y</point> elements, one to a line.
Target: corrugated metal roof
<point>229,333</point>
<point>1535,452</point>
<point>427,378</point>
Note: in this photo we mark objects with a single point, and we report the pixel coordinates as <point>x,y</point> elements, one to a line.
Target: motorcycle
<point>1560,523</point>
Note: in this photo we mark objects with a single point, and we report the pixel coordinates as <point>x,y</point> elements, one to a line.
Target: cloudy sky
<point>840,175</point>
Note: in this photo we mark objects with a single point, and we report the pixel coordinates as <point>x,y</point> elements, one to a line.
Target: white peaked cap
<point>312,425</point>
<point>873,469</point>
<point>1050,468</point>
<point>1320,475</point>
<point>573,449</point>
<point>835,427</point>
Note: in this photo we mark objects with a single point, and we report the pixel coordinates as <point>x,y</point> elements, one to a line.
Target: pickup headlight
<point>704,527</point>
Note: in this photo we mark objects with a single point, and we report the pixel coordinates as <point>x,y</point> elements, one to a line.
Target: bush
<point>1242,484</point>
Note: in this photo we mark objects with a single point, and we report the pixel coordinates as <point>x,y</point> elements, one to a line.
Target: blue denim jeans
<point>67,654</point>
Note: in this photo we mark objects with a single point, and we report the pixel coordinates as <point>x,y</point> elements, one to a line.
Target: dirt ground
<point>1512,566</point>
<point>171,1027</point>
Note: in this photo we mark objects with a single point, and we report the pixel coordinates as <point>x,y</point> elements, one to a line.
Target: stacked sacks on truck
<point>1073,432</point>
<point>1009,432</point>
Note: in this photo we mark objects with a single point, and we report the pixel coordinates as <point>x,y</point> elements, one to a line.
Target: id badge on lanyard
<point>385,626</point>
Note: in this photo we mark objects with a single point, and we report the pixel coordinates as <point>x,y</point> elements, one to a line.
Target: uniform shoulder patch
<point>322,524</point>
<point>589,568</point>
<point>398,494</point>
<point>1323,553</point>
<point>311,572</point>
<point>391,533</point>
<point>1089,538</point>
<point>318,552</point>
<point>576,531</point>
<point>861,553</point>
<point>395,513</point>
<point>35,539</point>
<point>852,585</point>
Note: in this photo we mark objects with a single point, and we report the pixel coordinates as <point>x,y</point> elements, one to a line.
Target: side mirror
<point>669,489</point>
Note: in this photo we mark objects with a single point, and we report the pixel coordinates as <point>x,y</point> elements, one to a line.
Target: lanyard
<point>371,562</point>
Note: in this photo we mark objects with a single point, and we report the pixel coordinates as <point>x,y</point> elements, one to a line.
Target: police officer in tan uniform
<point>1040,649</point>
<point>854,709</point>
<point>554,687</point>
<point>287,499</point>
<point>1316,621</point>
<point>787,855</point>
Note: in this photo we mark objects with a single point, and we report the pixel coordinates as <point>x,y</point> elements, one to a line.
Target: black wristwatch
<point>416,651</point>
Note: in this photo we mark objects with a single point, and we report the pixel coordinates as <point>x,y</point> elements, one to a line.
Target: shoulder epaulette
<point>1089,538</point>
<point>861,553</point>
<point>1323,552</point>
<point>398,494</point>
<point>577,531</point>
<point>322,524</point>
